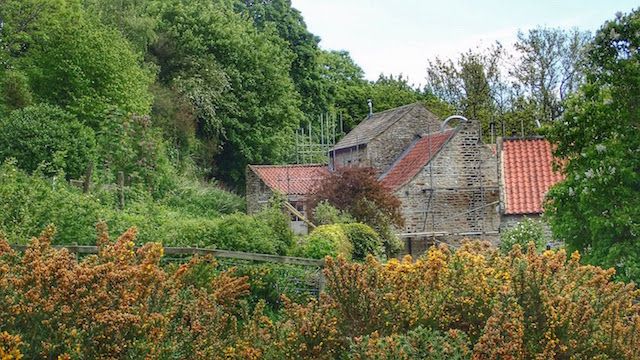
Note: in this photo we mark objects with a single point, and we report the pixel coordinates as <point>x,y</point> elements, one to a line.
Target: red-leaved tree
<point>357,191</point>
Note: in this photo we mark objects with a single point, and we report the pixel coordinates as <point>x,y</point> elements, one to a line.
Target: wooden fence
<point>239,255</point>
<point>224,254</point>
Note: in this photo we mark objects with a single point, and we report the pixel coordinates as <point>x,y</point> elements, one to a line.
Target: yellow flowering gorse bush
<point>474,303</point>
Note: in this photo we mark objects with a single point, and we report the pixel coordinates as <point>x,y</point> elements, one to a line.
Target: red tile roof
<point>414,159</point>
<point>291,179</point>
<point>527,174</point>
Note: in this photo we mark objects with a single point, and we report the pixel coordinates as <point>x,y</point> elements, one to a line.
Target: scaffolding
<point>470,183</point>
<point>317,138</point>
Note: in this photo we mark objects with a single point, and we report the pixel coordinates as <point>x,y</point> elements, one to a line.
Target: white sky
<point>400,36</point>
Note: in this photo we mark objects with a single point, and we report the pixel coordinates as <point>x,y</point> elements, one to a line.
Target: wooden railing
<point>239,255</point>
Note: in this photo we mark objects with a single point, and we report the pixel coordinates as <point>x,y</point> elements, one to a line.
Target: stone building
<point>295,182</point>
<point>452,186</point>
<point>379,139</point>
<point>447,182</point>
<point>525,175</point>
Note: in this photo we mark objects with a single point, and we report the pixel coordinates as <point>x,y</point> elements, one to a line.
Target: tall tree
<point>347,86</point>
<point>253,107</point>
<point>597,208</point>
<point>70,60</point>
<point>473,85</point>
<point>135,19</point>
<point>305,67</point>
<point>549,66</point>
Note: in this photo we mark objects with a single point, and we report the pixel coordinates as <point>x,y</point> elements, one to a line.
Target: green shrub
<point>29,203</point>
<point>47,134</point>
<point>419,343</point>
<point>523,233</point>
<point>325,214</point>
<point>364,239</point>
<point>198,199</point>
<point>270,281</point>
<point>129,143</point>
<point>15,92</point>
<point>325,240</point>
<point>242,232</point>
<point>279,223</point>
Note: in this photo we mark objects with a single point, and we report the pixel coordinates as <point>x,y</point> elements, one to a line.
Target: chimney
<point>370,107</point>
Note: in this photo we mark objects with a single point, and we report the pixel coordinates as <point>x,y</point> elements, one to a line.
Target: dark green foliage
<point>29,203</point>
<point>48,135</point>
<point>130,144</point>
<point>242,232</point>
<point>198,199</point>
<point>279,223</point>
<point>257,110</point>
<point>419,343</point>
<point>364,239</point>
<point>290,27</point>
<point>269,281</point>
<point>134,19</point>
<point>597,208</point>
<point>15,92</point>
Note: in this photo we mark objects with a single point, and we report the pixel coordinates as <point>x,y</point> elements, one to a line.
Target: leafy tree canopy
<point>256,107</point>
<point>597,208</point>
<point>44,135</point>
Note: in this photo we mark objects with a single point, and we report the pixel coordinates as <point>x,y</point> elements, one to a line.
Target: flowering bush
<point>419,343</point>
<point>117,304</point>
<point>528,230</point>
<point>525,305</point>
<point>474,303</point>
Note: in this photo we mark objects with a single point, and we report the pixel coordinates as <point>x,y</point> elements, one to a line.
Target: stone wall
<point>456,195</point>
<point>353,156</point>
<point>257,192</point>
<point>383,150</point>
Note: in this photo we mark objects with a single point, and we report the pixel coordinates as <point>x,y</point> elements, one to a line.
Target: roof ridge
<point>285,165</point>
<point>400,112</point>
<point>397,108</point>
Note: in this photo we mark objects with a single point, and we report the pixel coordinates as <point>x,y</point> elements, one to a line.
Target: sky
<point>400,36</point>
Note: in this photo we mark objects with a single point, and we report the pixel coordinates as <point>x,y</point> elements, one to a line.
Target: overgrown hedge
<point>28,203</point>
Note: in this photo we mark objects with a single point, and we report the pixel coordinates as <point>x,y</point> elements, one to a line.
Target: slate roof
<point>415,158</point>
<point>373,126</point>
<point>291,179</point>
<point>527,174</point>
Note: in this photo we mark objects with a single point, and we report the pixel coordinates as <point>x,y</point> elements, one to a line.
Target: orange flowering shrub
<point>521,306</point>
<point>474,303</point>
<point>419,343</point>
<point>440,290</point>
<point>10,346</point>
<point>118,304</point>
